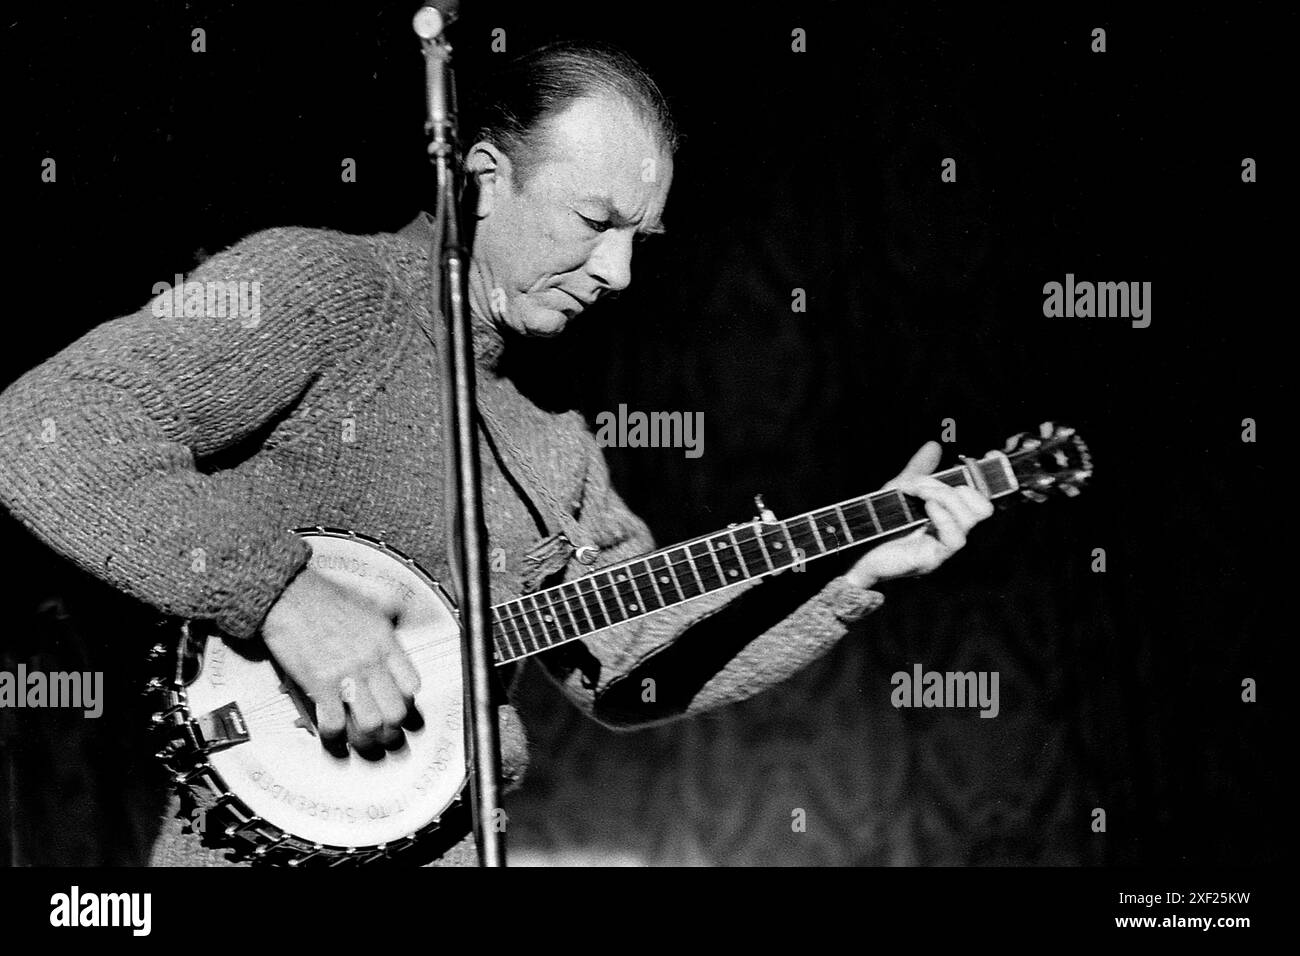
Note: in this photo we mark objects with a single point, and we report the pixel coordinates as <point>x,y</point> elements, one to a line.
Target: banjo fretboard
<point>678,574</point>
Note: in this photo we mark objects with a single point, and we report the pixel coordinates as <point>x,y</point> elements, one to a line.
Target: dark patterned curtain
<point>816,172</point>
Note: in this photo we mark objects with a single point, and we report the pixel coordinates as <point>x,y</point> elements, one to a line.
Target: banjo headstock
<point>1054,460</point>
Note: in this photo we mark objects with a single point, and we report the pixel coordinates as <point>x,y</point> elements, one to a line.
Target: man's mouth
<point>580,304</point>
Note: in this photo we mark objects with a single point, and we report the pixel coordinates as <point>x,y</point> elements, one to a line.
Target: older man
<point>168,456</point>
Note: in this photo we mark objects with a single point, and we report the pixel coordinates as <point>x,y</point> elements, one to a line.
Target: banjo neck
<point>681,573</point>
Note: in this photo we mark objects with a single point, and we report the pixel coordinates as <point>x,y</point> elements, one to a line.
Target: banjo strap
<point>550,555</point>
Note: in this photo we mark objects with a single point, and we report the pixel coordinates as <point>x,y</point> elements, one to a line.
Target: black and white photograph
<point>595,435</point>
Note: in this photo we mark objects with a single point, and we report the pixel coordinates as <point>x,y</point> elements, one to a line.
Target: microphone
<point>432,18</point>
<point>429,23</point>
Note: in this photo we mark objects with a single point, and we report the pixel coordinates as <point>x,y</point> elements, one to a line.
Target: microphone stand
<point>470,532</point>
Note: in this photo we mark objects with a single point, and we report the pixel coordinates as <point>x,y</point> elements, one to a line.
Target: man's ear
<point>489,168</point>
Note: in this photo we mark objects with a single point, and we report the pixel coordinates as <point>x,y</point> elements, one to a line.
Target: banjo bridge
<point>306,711</point>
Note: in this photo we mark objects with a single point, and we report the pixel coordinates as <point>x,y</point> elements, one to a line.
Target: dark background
<point>817,171</point>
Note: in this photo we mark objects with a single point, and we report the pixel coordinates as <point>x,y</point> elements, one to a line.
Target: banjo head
<point>252,744</point>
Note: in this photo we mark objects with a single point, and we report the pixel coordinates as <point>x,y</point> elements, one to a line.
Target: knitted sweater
<point>168,456</point>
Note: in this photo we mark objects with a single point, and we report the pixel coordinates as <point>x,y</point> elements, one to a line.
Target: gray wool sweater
<point>151,441</point>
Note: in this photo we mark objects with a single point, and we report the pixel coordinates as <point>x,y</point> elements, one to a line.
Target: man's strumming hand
<point>344,655</point>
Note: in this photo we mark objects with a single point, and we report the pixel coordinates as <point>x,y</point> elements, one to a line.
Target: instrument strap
<point>552,553</point>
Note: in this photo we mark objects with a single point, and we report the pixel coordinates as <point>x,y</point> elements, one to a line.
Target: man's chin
<point>540,323</point>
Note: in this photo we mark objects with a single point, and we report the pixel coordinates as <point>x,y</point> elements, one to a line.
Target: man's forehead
<point>608,120</point>
<point>601,151</point>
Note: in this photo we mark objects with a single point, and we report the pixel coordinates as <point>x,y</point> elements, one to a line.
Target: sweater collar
<point>489,343</point>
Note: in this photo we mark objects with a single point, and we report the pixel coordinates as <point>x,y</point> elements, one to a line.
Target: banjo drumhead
<point>284,775</point>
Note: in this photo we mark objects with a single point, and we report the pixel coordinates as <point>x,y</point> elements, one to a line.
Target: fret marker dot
<point>733,572</point>
<point>663,579</point>
<point>547,618</point>
<point>620,578</point>
<point>778,545</point>
<point>631,607</point>
<point>829,530</point>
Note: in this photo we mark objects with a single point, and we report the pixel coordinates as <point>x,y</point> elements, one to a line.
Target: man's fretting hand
<point>345,657</point>
<point>952,512</point>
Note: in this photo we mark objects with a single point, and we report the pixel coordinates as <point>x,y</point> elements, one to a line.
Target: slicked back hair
<point>513,108</point>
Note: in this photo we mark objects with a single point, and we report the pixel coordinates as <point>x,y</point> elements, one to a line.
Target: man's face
<point>545,251</point>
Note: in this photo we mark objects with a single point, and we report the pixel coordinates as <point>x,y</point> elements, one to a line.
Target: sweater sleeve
<point>107,449</point>
<point>719,648</point>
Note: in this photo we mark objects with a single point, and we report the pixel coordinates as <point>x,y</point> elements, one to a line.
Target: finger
<point>958,505</point>
<point>365,721</point>
<point>404,674</point>
<point>923,462</point>
<point>391,703</point>
<point>331,720</point>
<point>978,503</point>
<point>933,490</point>
<point>946,526</point>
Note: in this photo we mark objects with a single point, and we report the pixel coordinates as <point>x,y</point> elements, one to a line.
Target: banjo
<point>240,743</point>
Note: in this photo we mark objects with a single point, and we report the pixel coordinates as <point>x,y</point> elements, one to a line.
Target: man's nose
<point>611,262</point>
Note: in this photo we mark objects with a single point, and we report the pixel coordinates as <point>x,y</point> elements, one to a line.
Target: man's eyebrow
<point>618,219</point>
